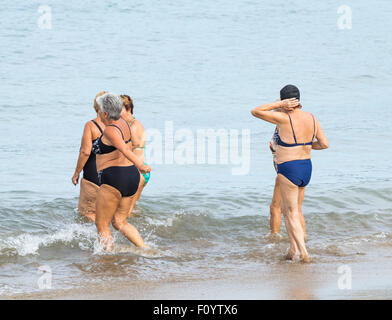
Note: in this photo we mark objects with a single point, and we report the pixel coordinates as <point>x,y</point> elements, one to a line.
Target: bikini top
<point>100,148</point>
<point>284,144</point>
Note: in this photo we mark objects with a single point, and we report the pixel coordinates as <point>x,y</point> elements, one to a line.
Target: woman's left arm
<point>84,153</point>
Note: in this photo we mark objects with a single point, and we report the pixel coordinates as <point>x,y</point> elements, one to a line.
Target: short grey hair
<point>112,104</point>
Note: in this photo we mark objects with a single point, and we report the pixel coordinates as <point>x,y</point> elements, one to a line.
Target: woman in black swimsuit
<point>118,171</point>
<point>89,184</point>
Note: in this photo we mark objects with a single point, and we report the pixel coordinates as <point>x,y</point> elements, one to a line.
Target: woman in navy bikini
<point>297,131</point>
<point>89,184</point>
<point>276,202</point>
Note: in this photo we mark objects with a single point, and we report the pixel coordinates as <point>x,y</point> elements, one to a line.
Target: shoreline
<point>286,281</point>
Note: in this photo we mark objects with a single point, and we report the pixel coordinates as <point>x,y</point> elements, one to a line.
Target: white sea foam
<point>27,243</point>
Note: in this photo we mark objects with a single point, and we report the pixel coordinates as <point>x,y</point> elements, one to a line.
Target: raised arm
<point>113,135</point>
<point>84,152</point>
<point>264,111</point>
<point>322,141</point>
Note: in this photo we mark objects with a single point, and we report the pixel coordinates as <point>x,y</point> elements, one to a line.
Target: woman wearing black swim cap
<point>298,133</point>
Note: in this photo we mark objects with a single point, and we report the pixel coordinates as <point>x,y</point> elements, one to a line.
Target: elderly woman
<point>89,184</point>
<point>118,170</point>
<point>276,202</point>
<point>297,131</point>
<point>138,143</point>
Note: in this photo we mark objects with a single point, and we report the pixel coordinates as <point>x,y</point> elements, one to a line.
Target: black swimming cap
<point>288,92</point>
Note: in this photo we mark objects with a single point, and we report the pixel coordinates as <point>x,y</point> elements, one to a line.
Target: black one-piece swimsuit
<point>90,168</point>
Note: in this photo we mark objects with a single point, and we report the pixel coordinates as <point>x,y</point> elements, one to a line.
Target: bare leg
<point>87,198</point>
<point>290,196</point>
<point>120,223</point>
<point>136,197</point>
<point>275,210</point>
<point>90,216</point>
<point>108,200</point>
<point>141,188</point>
<point>293,246</point>
<point>301,195</point>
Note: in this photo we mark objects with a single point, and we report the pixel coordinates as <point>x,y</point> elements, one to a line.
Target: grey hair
<point>112,104</point>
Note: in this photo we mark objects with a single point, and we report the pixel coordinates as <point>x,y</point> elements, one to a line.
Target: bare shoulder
<point>308,114</point>
<point>88,124</point>
<point>138,125</point>
<point>88,128</point>
<point>111,131</point>
<point>91,128</point>
<point>283,117</point>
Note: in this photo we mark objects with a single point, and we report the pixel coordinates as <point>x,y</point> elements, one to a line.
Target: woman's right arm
<point>322,141</point>
<point>84,153</point>
<point>264,111</point>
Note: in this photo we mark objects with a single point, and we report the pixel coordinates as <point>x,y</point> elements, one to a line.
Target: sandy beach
<point>370,280</point>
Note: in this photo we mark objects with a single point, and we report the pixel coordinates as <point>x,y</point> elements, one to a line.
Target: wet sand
<point>370,280</point>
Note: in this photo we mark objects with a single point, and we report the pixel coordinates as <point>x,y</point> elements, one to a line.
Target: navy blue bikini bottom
<point>297,171</point>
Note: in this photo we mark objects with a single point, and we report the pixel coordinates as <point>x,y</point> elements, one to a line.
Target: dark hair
<point>289,91</point>
<point>127,102</point>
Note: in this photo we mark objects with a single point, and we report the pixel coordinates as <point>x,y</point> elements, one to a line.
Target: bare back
<point>301,129</point>
<point>115,158</point>
<point>138,139</point>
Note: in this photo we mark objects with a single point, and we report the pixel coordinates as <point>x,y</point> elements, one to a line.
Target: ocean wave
<point>248,236</point>
<point>27,243</point>
<point>187,222</point>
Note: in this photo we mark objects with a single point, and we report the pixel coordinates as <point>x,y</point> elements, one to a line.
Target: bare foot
<point>305,259</point>
<point>106,244</point>
<point>290,255</point>
<point>90,216</point>
<point>274,236</point>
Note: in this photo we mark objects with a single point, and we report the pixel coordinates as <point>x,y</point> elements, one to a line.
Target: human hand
<point>271,147</point>
<point>144,168</point>
<point>289,104</point>
<point>75,178</point>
